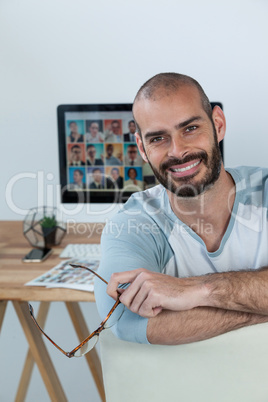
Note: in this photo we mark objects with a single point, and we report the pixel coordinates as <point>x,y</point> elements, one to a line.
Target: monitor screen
<point>99,158</point>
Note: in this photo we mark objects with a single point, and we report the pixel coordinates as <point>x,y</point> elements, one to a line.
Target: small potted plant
<point>49,228</point>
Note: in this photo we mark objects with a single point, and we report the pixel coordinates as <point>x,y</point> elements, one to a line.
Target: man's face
<point>179,141</point>
<point>114,174</point>
<point>116,128</point>
<point>94,128</point>
<point>132,127</point>
<point>91,151</point>
<point>73,127</point>
<point>97,176</point>
<point>76,154</point>
<point>132,153</point>
<point>77,177</point>
<point>109,150</point>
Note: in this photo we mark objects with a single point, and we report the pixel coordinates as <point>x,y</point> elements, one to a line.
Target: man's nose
<point>178,148</point>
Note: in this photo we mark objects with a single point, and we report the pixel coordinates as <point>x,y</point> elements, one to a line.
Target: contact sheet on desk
<point>65,276</point>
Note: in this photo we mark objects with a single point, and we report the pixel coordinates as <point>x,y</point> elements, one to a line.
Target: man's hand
<point>149,292</point>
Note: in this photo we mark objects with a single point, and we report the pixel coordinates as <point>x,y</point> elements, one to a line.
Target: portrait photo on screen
<point>94,131</point>
<point>95,154</point>
<point>76,154</point>
<point>132,156</point>
<point>96,178</point>
<point>113,130</point>
<point>133,179</point>
<point>114,177</point>
<point>75,130</point>
<point>77,178</point>
<point>113,154</point>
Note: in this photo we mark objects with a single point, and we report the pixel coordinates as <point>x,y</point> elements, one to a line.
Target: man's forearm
<point>149,292</point>
<point>180,327</point>
<point>245,291</point>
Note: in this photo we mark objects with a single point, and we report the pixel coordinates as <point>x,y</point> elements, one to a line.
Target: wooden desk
<point>14,274</point>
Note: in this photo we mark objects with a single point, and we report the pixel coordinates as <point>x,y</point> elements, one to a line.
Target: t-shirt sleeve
<point>127,244</point>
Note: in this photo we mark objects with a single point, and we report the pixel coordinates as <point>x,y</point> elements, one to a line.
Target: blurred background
<point>65,52</point>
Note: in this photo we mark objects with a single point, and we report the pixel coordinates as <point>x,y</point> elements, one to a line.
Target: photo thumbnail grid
<point>102,155</point>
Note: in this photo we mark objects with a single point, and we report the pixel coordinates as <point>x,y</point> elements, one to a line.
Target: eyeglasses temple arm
<point>38,326</point>
<point>90,270</point>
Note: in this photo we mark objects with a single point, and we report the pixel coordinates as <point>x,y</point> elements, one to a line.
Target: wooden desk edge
<point>44,294</point>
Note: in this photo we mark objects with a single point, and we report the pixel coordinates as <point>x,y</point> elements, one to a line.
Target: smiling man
<point>171,144</point>
<point>194,248</point>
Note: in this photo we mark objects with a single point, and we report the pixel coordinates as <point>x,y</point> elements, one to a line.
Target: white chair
<point>228,368</point>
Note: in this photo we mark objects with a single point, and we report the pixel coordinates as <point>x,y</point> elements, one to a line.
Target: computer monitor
<point>98,155</point>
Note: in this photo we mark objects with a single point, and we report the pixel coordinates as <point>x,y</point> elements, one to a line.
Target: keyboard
<point>91,251</point>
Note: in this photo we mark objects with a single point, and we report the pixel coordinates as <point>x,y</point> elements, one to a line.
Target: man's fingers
<point>133,297</point>
<point>121,277</point>
<point>140,298</point>
<point>120,291</point>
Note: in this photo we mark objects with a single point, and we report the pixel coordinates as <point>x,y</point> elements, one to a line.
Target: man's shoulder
<point>254,174</point>
<point>251,185</point>
<point>144,221</point>
<point>147,200</point>
<point>142,205</point>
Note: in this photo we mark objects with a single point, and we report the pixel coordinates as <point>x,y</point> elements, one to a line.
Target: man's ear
<point>219,122</point>
<point>140,147</point>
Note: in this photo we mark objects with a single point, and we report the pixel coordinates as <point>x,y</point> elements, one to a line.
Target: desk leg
<point>40,353</point>
<point>3,305</point>
<point>29,362</point>
<point>92,358</point>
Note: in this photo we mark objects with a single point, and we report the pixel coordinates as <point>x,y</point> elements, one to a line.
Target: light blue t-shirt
<point>146,233</point>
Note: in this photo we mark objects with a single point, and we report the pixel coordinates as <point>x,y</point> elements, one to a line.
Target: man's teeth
<point>186,168</point>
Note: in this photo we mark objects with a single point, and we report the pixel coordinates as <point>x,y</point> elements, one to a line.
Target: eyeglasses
<point>88,343</point>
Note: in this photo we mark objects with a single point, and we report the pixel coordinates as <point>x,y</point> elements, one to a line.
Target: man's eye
<point>191,128</point>
<point>156,139</point>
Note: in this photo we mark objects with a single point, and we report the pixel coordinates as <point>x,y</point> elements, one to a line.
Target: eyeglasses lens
<point>115,316</point>
<point>87,346</point>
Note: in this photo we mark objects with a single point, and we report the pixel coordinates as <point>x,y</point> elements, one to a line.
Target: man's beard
<point>185,186</point>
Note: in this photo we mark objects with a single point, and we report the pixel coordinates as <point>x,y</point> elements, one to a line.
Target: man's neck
<point>208,215</point>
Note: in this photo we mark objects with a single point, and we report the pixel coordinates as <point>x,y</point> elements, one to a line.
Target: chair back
<point>228,368</point>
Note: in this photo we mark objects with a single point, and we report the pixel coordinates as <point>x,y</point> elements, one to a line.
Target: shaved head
<point>164,84</point>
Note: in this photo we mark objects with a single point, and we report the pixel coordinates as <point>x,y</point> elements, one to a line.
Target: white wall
<point>63,51</point>
<point>60,51</point>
